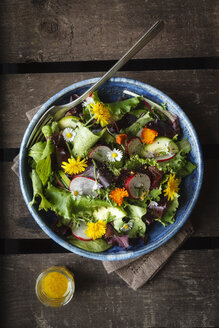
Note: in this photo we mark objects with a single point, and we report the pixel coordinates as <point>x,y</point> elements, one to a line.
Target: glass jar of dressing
<point>55,286</point>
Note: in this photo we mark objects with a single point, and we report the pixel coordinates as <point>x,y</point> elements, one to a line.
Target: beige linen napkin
<point>136,272</point>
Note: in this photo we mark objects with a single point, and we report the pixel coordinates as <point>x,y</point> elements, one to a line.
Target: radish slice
<point>137,185</point>
<point>134,146</point>
<point>100,153</point>
<point>84,186</point>
<point>79,232</point>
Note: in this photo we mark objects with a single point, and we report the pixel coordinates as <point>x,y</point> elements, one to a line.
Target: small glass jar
<point>55,286</point>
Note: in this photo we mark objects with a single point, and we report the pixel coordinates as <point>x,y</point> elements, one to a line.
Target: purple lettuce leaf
<point>164,128</point>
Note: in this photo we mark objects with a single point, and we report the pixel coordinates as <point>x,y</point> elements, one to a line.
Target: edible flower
<point>68,134</point>
<point>76,194</point>
<point>74,166</point>
<point>114,155</point>
<point>96,229</point>
<point>118,194</point>
<point>148,135</point>
<point>101,113</point>
<point>172,187</point>
<point>89,100</point>
<point>121,138</point>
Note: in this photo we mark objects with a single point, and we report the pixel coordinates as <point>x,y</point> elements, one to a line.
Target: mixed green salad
<point>107,171</point>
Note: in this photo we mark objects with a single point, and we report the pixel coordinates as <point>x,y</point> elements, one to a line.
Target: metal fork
<point>57,112</point>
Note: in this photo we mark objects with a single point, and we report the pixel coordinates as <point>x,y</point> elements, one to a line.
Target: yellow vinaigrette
<point>55,286</point>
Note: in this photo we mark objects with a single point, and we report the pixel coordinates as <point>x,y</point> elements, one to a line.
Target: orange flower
<point>148,135</point>
<point>118,194</point>
<point>121,139</point>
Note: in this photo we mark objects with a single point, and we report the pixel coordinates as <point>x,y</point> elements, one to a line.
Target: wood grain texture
<point>194,90</point>
<point>51,30</point>
<point>16,221</point>
<point>183,294</point>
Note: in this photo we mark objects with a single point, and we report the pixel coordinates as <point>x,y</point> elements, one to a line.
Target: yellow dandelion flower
<point>96,229</point>
<point>118,194</point>
<point>101,112</point>
<point>74,166</point>
<point>172,187</point>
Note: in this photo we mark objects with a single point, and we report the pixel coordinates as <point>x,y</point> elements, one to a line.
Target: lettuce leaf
<point>38,192</point>
<point>138,229</point>
<point>119,108</point>
<point>36,151</point>
<point>134,211</point>
<point>84,140</point>
<point>47,131</point>
<point>96,246</point>
<point>44,169</point>
<point>169,213</point>
<point>178,165</point>
<point>64,205</point>
<point>41,152</point>
<point>184,146</point>
<point>133,129</point>
<point>187,169</point>
<point>135,162</point>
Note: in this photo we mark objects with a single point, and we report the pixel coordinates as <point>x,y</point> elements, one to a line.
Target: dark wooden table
<point>47,45</point>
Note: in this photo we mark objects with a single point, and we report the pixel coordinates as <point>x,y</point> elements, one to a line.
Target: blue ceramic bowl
<point>110,92</point>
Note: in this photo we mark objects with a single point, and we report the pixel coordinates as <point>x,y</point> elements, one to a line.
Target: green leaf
<point>108,139</point>
<point>138,112</point>
<point>41,152</point>
<point>173,165</point>
<point>184,146</point>
<point>169,213</point>
<point>187,169</point>
<point>38,191</point>
<point>134,211</point>
<point>84,140</point>
<point>138,228</point>
<point>96,246</point>
<point>47,131</point>
<point>140,123</point>
<point>61,201</point>
<point>48,150</point>
<point>118,109</point>
<point>155,194</point>
<point>64,205</point>
<point>135,162</point>
<point>44,169</point>
<point>36,151</point>
<point>55,127</point>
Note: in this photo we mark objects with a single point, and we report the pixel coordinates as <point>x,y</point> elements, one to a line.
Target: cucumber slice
<point>69,122</point>
<point>162,149</point>
<point>106,214</point>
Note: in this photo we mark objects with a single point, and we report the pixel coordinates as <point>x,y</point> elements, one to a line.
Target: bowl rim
<point>123,255</point>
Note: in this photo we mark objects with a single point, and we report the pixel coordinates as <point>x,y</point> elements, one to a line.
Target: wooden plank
<point>195,91</point>
<point>16,221</point>
<point>50,30</point>
<point>183,294</point>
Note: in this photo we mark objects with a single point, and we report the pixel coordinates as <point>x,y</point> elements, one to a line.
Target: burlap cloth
<point>136,272</point>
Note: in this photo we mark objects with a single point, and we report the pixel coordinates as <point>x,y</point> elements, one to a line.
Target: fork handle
<point>147,37</point>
